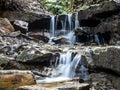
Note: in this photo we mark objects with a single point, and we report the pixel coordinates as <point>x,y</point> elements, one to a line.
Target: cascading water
<point>66,68</point>
<point>76,20</point>
<point>52,26</point>
<point>97,39</point>
<point>67,28</point>
<point>70,21</point>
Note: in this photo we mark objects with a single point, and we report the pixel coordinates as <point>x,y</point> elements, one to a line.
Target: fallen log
<point>16,78</point>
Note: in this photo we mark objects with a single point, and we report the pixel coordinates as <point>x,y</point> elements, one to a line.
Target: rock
<point>60,40</point>
<point>29,10</point>
<point>111,25</point>
<point>99,11</point>
<point>23,15</point>
<point>115,80</point>
<point>3,61</point>
<point>33,56</point>
<point>57,86</point>
<point>107,57</point>
<point>39,36</point>
<point>101,81</point>
<point>15,78</point>
<point>5,26</point>
<point>21,25</point>
<point>12,5</point>
<point>83,34</point>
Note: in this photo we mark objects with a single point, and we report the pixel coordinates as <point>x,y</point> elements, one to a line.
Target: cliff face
<point>82,4</point>
<point>26,10</point>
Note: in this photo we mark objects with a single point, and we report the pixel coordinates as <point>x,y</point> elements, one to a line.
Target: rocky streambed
<point>29,55</point>
<point>102,63</point>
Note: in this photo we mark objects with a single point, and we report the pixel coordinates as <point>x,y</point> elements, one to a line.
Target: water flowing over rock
<point>66,68</point>
<point>67,27</point>
<point>68,51</point>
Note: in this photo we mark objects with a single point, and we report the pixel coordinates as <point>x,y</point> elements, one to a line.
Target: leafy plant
<point>59,6</point>
<point>84,7</point>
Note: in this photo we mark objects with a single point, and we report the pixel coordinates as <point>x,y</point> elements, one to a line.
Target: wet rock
<point>55,86</point>
<point>83,34</point>
<point>5,26</point>
<point>21,25</point>
<point>15,78</point>
<point>60,40</point>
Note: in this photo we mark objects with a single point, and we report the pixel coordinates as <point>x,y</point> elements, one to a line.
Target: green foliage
<point>84,7</point>
<point>59,6</point>
<point>68,6</point>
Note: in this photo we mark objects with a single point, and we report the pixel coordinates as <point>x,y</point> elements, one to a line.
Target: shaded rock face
<point>29,10</point>
<point>107,58</point>
<point>21,25</point>
<point>107,28</point>
<point>12,4</point>
<point>103,10</point>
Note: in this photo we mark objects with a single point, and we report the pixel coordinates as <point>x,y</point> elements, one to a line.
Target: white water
<point>67,29</point>
<point>76,20</point>
<point>70,21</point>
<point>71,37</point>
<point>97,39</point>
<point>52,26</point>
<point>65,70</point>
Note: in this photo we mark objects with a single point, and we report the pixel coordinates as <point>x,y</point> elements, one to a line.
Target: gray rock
<point>21,25</point>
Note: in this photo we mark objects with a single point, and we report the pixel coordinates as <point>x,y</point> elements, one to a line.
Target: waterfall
<point>67,65</point>
<point>71,37</point>
<point>64,26</point>
<point>84,73</point>
<point>97,39</point>
<point>70,21</point>
<point>65,69</point>
<point>76,20</point>
<point>52,26</point>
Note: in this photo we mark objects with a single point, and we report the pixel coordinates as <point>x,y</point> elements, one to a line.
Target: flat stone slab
<point>57,86</point>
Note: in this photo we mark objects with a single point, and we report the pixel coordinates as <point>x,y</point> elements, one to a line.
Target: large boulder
<point>16,78</point>
<point>107,57</point>
<point>99,11</point>
<point>26,10</point>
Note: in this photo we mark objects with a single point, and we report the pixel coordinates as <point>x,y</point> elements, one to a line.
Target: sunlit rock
<point>5,26</point>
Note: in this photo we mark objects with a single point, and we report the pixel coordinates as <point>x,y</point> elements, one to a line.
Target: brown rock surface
<point>29,10</point>
<point>5,26</point>
<point>15,78</point>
